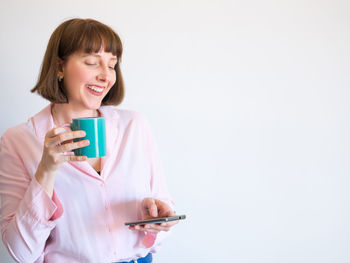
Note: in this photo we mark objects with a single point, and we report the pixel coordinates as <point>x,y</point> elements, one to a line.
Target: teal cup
<point>95,128</point>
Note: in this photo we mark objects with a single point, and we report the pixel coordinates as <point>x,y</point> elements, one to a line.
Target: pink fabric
<point>84,219</point>
<point>59,210</point>
<point>149,239</point>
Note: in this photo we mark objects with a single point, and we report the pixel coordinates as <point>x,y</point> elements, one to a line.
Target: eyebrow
<point>98,56</point>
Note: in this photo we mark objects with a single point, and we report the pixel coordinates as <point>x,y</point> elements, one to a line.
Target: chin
<point>92,106</point>
<point>96,107</point>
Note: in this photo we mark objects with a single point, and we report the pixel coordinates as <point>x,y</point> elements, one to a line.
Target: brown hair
<point>74,35</point>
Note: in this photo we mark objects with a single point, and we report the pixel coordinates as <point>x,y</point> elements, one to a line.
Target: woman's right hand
<point>58,146</point>
<point>57,150</point>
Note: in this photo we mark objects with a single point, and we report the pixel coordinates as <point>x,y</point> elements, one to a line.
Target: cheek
<point>113,79</point>
<point>82,76</point>
<point>78,75</point>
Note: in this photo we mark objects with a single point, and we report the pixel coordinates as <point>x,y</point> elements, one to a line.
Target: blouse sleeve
<point>158,186</point>
<point>27,213</point>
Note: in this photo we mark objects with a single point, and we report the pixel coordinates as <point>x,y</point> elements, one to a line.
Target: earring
<point>59,78</point>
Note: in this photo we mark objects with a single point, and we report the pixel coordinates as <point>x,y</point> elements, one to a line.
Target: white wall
<point>249,102</point>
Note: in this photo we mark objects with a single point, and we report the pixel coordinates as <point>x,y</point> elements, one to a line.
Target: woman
<point>58,207</point>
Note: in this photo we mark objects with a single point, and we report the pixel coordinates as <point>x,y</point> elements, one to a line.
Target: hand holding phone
<point>157,220</point>
<point>151,210</point>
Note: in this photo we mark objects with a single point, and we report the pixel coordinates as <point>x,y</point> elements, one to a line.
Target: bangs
<point>89,37</point>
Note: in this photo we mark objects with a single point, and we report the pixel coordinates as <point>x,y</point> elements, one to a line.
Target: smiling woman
<point>84,39</point>
<point>59,207</point>
<point>88,78</point>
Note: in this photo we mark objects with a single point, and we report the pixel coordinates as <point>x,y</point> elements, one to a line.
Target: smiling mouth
<point>95,88</point>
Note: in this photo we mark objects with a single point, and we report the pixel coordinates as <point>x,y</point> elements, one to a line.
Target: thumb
<point>152,208</point>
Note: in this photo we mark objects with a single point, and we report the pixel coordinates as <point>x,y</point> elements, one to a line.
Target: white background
<point>249,104</point>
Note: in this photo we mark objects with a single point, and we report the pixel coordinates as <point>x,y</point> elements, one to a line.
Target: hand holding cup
<point>58,148</point>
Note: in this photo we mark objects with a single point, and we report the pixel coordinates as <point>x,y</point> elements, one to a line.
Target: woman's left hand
<point>152,208</point>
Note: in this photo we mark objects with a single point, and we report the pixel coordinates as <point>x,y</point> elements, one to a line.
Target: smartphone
<point>156,220</point>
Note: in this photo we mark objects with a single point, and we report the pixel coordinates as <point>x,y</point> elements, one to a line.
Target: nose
<point>103,74</point>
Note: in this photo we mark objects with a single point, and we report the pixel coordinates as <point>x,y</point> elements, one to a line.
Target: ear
<point>60,68</point>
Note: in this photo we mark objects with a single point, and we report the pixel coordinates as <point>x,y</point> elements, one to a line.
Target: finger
<point>143,229</point>
<point>164,209</point>
<point>170,224</point>
<point>64,137</point>
<point>166,212</point>
<point>71,146</point>
<point>73,158</point>
<point>69,136</point>
<point>150,207</point>
<point>149,228</point>
<point>151,231</point>
<point>154,228</point>
<point>55,131</point>
<point>153,210</point>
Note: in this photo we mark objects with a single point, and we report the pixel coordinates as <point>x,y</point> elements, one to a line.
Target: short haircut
<point>74,35</point>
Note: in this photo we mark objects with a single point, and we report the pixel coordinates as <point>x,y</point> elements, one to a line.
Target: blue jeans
<point>146,259</point>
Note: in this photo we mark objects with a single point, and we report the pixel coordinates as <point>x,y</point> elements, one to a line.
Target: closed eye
<point>112,66</point>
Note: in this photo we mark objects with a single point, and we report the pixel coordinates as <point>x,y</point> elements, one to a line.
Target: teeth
<point>95,88</point>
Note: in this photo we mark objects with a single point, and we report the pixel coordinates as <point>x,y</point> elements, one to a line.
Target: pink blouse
<point>84,220</point>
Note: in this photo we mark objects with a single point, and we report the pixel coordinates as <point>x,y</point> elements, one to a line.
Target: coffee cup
<point>95,129</point>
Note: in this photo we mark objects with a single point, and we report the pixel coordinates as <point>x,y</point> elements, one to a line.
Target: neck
<point>64,113</point>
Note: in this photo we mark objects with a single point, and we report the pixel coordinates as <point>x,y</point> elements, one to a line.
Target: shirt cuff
<point>59,211</point>
<point>149,239</point>
<point>38,203</point>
